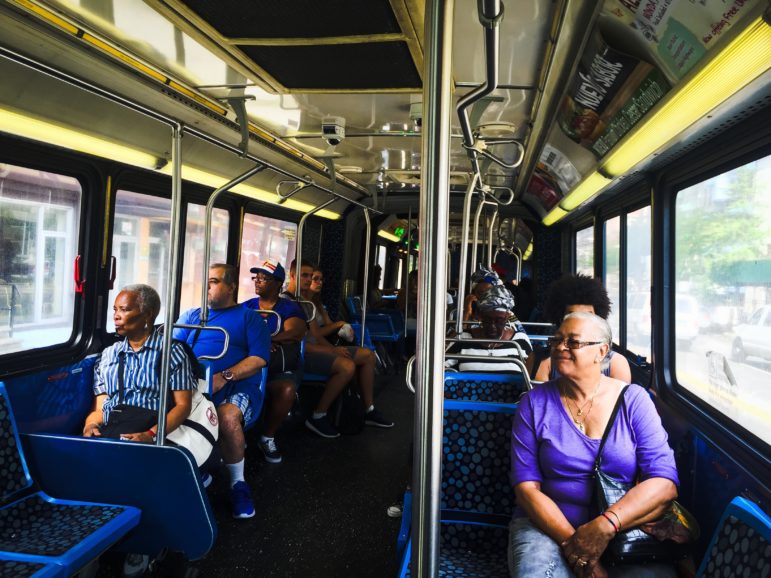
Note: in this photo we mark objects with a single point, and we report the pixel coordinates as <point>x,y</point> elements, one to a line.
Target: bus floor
<point>321,513</point>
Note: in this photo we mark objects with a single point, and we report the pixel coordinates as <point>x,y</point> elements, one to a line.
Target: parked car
<point>754,337</point>
<point>688,321</point>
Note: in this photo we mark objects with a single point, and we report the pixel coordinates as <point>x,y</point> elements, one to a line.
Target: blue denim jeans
<point>533,554</point>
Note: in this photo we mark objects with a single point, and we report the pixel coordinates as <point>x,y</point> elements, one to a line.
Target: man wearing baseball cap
<point>282,381</point>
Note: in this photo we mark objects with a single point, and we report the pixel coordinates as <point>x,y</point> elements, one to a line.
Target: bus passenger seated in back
<point>340,363</point>
<point>284,370</point>
<point>330,330</point>
<point>580,293</point>
<point>557,530</point>
<point>126,378</point>
<point>499,323</point>
<point>481,281</point>
<point>236,376</point>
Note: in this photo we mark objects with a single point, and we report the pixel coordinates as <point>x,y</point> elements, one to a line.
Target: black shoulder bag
<point>631,546</point>
<point>125,418</point>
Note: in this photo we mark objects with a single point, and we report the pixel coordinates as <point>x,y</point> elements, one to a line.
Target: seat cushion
<point>738,551</point>
<point>36,526</point>
<point>472,551</point>
<point>484,389</point>
<point>17,569</point>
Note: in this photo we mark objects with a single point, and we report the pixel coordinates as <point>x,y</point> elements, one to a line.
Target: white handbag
<point>200,430</point>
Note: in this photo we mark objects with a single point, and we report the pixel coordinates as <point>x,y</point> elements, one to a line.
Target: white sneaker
<point>135,565</point>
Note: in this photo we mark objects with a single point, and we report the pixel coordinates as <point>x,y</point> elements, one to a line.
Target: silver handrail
<point>207,234</point>
<point>225,344</point>
<point>470,190</point>
<point>299,244</point>
<point>264,312</point>
<point>433,227</point>
<point>516,345</point>
<point>368,223</point>
<point>515,360</point>
<point>474,246</point>
<point>490,259</point>
<point>408,375</point>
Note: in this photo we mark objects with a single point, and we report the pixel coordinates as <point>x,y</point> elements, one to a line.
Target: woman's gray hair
<point>601,326</point>
<point>148,299</point>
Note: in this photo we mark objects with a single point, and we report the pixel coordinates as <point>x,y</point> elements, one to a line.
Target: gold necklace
<point>580,411</point>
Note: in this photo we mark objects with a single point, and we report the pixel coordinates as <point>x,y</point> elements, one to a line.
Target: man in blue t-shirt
<point>282,382</point>
<point>236,376</point>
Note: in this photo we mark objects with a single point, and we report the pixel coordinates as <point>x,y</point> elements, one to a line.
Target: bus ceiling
<point>580,95</point>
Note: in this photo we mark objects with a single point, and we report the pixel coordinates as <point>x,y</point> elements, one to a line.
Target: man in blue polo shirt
<point>236,376</point>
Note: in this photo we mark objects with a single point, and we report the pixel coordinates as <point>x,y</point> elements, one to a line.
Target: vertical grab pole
<point>171,275</point>
<point>299,247</point>
<point>490,258</point>
<point>366,276</point>
<point>207,235</point>
<point>433,219</point>
<point>464,250</point>
<point>519,265</point>
<point>406,271</point>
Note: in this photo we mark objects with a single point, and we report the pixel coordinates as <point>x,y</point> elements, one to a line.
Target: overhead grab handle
<point>481,145</point>
<point>297,187</point>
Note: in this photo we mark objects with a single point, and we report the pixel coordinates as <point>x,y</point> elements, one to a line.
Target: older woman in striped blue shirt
<point>127,375</point>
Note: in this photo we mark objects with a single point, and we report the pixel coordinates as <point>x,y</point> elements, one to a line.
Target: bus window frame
<point>636,197</point>
<point>91,174</point>
<point>698,166</point>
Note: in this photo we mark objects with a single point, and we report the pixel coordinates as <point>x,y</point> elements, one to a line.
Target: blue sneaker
<point>243,507</point>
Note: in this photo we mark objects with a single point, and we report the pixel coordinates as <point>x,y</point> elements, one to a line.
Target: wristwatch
<point>227,375</point>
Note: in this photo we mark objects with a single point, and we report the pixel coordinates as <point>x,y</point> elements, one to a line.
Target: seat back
<point>14,475</point>
<point>741,543</point>
<point>476,458</point>
<point>494,387</point>
<point>353,303</point>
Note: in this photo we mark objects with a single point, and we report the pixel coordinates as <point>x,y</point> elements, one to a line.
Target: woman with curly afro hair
<point>580,293</point>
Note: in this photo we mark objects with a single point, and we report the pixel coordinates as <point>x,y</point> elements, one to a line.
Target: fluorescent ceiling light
<point>44,131</point>
<point>50,133</point>
<point>554,215</point>
<point>585,190</point>
<point>528,252</point>
<point>743,60</point>
<point>389,236</point>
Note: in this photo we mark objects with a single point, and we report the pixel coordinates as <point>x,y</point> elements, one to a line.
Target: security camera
<point>333,129</point>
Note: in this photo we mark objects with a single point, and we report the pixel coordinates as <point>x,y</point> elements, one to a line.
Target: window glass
<point>39,231</point>
<point>638,282</point>
<point>585,251</point>
<point>264,238</point>
<point>613,270</point>
<point>723,293</point>
<point>140,244</point>
<point>192,265</point>
<point>381,260</point>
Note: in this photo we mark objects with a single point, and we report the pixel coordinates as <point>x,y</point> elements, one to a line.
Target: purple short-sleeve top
<point>547,447</point>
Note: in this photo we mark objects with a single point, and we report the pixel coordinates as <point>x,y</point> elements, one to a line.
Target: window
<point>380,259</point>
<point>39,231</point>
<point>612,278</point>
<point>192,265</point>
<point>723,293</point>
<point>264,238</point>
<point>638,281</point>
<point>140,244</point>
<point>585,251</point>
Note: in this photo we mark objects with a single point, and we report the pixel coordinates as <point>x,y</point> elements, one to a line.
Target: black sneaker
<point>270,451</point>
<point>322,427</point>
<point>375,418</point>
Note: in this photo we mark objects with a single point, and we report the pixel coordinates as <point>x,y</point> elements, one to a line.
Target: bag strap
<point>201,430</point>
<point>612,419</point>
<point>121,369</point>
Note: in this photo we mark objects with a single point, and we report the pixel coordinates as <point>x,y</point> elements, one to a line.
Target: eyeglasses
<point>317,279</point>
<point>570,343</point>
<point>262,278</point>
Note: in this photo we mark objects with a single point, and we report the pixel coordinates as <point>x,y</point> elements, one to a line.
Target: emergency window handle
<point>113,269</point>
<point>79,281</point>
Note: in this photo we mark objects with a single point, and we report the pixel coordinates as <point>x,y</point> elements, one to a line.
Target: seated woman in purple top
<point>555,439</point>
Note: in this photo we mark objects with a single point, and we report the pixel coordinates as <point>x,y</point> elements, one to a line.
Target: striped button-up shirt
<point>140,373</point>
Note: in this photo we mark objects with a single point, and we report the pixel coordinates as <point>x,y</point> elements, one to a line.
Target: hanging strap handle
<point>612,419</point>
